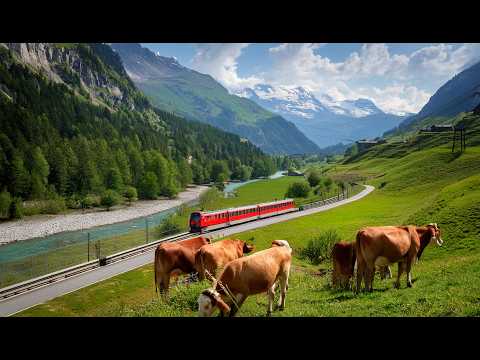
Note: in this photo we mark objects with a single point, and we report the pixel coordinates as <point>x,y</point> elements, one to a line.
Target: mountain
<point>459,94</point>
<point>195,96</point>
<point>325,121</point>
<point>72,123</point>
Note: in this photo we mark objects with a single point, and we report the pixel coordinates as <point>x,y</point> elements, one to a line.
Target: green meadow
<point>417,182</point>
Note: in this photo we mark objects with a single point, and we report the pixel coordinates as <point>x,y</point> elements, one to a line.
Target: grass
<point>423,184</point>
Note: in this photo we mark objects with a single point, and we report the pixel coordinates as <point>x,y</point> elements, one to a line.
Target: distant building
<point>437,128</point>
<point>243,140</point>
<point>189,159</point>
<point>294,173</point>
<point>367,144</point>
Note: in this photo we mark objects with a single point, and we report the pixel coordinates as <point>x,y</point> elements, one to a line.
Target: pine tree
<point>21,179</point>
<point>149,186</point>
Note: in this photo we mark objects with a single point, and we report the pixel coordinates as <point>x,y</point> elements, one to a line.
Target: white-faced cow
<point>384,245</point>
<point>249,275</point>
<point>215,256</point>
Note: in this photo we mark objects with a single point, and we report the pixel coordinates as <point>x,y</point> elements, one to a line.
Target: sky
<point>398,78</point>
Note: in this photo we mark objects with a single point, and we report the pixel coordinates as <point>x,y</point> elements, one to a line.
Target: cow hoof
<point>409,285</point>
<point>269,313</point>
<point>396,286</point>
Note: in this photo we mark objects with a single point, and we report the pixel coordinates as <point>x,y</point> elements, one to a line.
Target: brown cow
<point>344,259</point>
<point>384,245</point>
<point>178,257</point>
<point>214,256</point>
<point>249,275</point>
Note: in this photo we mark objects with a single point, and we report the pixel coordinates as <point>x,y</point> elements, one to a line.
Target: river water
<point>235,185</point>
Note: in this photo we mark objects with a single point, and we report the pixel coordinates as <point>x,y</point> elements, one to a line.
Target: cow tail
<point>354,256</point>
<point>155,266</point>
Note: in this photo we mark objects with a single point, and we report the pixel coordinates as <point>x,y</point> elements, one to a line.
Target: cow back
<point>391,243</point>
<point>256,273</point>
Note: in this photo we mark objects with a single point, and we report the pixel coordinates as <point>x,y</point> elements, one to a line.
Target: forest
<point>56,144</point>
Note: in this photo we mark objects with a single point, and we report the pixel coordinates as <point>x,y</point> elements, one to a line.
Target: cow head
<point>247,248</point>
<point>207,301</point>
<point>435,232</point>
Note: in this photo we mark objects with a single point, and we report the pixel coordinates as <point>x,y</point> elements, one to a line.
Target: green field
<point>415,185</point>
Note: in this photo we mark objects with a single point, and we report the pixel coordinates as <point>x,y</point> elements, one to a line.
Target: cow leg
<point>239,298</point>
<point>369,275</point>
<point>360,275</point>
<point>401,267</point>
<point>283,291</point>
<point>409,273</point>
<point>271,297</point>
<point>164,285</point>
<point>388,274</point>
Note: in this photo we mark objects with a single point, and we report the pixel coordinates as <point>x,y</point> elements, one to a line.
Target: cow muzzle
<point>438,240</point>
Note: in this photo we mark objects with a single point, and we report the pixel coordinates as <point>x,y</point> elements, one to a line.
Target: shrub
<point>320,248</point>
<point>87,202</point>
<point>314,178</point>
<point>54,205</point>
<point>109,198</point>
<point>168,226</point>
<point>16,209</point>
<point>73,202</point>
<point>131,194</point>
<point>209,198</point>
<point>298,190</point>
<point>5,201</point>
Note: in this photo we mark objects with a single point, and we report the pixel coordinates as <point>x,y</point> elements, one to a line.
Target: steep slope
<point>72,122</point>
<point>324,121</point>
<point>459,94</point>
<point>196,96</point>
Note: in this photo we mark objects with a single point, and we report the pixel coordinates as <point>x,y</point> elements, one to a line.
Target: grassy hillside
<point>416,184</point>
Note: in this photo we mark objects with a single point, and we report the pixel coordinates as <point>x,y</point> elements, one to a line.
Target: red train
<point>211,220</point>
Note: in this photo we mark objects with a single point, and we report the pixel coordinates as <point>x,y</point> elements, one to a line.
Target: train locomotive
<point>201,221</point>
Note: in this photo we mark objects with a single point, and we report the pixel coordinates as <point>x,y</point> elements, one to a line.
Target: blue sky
<point>399,78</point>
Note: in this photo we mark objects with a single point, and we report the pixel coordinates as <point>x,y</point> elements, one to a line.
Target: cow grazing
<point>247,276</point>
<point>344,261</point>
<point>178,258</point>
<point>215,256</point>
<point>384,245</point>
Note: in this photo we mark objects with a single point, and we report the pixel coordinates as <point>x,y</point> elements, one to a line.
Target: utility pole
<point>88,247</point>
<point>146,228</point>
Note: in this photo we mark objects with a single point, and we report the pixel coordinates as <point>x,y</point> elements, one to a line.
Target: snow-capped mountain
<point>324,120</point>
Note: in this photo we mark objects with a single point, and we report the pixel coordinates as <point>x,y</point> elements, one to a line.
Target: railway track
<point>45,280</point>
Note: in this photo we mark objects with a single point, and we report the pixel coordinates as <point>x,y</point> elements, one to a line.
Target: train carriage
<point>201,221</point>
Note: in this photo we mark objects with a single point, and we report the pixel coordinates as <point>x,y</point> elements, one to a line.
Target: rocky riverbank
<point>43,225</point>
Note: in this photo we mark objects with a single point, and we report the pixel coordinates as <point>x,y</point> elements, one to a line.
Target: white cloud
<point>358,76</point>
<point>220,61</point>
<point>398,98</point>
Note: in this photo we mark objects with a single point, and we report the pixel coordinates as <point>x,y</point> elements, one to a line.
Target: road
<point>40,295</point>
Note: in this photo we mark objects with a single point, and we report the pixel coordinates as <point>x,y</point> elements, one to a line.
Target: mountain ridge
<point>199,97</point>
<point>325,121</point>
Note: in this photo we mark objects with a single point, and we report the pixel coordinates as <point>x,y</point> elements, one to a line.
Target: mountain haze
<point>196,96</point>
